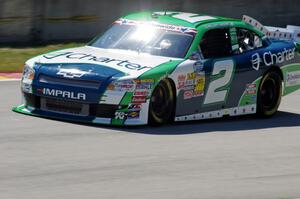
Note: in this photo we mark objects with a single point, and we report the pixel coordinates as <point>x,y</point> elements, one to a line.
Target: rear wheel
<point>162,103</point>
<point>269,94</point>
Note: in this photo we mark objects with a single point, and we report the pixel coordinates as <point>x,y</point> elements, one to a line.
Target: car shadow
<point>230,124</point>
<point>241,123</point>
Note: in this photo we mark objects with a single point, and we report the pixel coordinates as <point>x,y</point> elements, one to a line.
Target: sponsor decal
<point>132,85</point>
<point>187,87</point>
<point>251,85</point>
<point>141,93</point>
<point>120,115</point>
<point>181,81</point>
<point>221,25</point>
<point>188,94</point>
<point>71,73</point>
<point>194,85</point>
<point>293,78</point>
<point>130,115</point>
<point>142,81</point>
<point>133,114</point>
<point>251,92</point>
<point>61,93</point>
<point>191,76</point>
<point>168,27</point>
<point>199,86</point>
<point>269,58</point>
<point>198,66</point>
<point>139,99</point>
<point>134,107</point>
<point>146,86</point>
<point>88,57</point>
<point>125,85</point>
<point>189,82</point>
<point>251,89</point>
<point>256,60</point>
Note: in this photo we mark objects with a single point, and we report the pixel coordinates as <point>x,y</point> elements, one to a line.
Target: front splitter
<point>70,118</point>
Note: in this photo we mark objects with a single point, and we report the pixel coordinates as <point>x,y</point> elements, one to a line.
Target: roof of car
<point>192,20</point>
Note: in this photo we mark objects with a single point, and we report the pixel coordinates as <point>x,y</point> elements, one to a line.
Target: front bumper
<point>93,114</point>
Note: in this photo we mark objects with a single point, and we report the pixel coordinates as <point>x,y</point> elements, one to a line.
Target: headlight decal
<point>27,78</point>
<point>28,74</point>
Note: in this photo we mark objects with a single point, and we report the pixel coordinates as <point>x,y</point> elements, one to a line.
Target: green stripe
<point>247,99</point>
<point>125,101</point>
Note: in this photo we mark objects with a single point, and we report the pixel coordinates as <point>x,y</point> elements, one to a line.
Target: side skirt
<point>236,111</point>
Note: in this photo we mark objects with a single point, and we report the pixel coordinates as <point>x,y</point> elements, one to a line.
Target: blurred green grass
<point>12,59</point>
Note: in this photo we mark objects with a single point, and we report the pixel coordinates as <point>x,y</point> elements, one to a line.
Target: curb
<point>10,76</point>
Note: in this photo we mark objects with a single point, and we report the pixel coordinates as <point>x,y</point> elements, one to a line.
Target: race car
<point>160,67</point>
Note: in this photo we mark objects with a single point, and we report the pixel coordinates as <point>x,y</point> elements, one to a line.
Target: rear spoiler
<point>288,33</point>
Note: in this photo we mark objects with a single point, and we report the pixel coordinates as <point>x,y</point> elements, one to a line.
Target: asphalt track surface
<point>242,157</point>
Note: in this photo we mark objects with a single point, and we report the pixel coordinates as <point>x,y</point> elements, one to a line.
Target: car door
<point>216,47</point>
<point>203,81</point>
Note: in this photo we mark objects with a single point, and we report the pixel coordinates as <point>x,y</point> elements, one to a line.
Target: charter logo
<point>256,60</point>
<point>269,58</point>
<point>280,57</point>
<point>91,58</point>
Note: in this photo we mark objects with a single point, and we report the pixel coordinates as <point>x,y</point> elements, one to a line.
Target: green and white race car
<point>158,67</point>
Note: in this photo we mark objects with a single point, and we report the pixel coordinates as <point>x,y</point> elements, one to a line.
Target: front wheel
<point>162,103</point>
<point>269,94</point>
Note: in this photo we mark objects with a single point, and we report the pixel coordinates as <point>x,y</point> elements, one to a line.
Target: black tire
<point>269,94</point>
<point>162,103</point>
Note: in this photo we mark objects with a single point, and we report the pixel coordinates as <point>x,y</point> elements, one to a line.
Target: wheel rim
<point>269,94</point>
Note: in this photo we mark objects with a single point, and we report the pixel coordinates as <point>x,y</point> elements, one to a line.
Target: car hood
<point>130,63</point>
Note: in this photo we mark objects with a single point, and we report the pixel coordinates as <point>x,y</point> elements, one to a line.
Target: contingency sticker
<point>192,84</point>
<point>293,78</point>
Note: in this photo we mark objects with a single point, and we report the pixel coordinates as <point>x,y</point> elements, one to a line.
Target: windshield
<point>160,40</point>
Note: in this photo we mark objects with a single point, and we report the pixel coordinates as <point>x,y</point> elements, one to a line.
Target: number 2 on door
<point>220,84</point>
